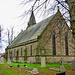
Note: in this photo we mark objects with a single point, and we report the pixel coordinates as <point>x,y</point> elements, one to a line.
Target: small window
<point>14,52</point>
<point>31,50</point>
<point>59,25</point>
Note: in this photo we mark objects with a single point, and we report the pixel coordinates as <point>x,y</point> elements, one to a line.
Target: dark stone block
<point>62,73</point>
<point>18,66</point>
<point>73,64</point>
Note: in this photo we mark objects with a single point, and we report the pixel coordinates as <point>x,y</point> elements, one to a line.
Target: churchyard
<point>16,68</point>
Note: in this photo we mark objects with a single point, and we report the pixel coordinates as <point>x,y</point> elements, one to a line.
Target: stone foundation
<point>54,59</point>
<point>49,59</point>
<point>32,59</point>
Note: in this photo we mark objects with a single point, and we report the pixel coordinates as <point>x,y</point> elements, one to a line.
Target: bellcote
<point>31,20</point>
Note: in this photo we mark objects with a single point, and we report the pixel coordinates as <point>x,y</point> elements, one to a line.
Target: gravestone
<point>34,71</point>
<point>0,56</point>
<point>9,61</point>
<point>73,64</point>
<point>43,62</point>
<point>1,60</point>
<point>62,68</point>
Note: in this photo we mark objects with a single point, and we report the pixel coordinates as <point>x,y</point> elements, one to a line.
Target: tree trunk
<point>71,4</point>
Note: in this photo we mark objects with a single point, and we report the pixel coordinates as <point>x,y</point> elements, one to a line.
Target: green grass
<point>36,65</point>
<point>7,71</point>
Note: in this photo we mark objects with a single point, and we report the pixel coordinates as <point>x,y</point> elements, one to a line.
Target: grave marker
<point>73,64</point>
<point>1,60</point>
<point>62,68</point>
<point>34,71</point>
<point>43,62</point>
<point>9,61</point>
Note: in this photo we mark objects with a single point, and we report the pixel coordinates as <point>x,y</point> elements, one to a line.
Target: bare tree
<point>1,36</point>
<point>10,35</point>
<point>46,6</point>
<point>49,6</point>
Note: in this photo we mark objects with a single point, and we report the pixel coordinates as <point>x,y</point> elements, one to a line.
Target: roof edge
<point>22,44</point>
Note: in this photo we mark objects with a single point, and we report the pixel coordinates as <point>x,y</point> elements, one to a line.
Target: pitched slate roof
<point>31,33</point>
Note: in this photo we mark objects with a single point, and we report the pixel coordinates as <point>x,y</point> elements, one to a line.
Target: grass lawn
<point>42,71</point>
<point>36,65</point>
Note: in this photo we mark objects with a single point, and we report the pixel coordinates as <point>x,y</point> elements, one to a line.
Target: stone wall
<point>46,41</point>
<point>46,38</point>
<point>21,57</point>
<point>29,48</point>
<point>32,59</point>
<point>56,59</point>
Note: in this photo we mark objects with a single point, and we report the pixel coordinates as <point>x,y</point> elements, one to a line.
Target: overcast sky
<point>10,10</point>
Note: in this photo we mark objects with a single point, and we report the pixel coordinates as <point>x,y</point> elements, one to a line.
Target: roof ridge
<point>32,32</point>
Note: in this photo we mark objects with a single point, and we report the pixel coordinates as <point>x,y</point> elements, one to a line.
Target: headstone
<point>0,56</point>
<point>1,60</point>
<point>62,73</point>
<point>43,62</point>
<point>9,61</point>
<point>34,71</point>
<point>73,64</point>
<point>62,68</point>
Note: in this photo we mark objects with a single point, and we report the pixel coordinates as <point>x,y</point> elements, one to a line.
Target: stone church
<point>50,38</point>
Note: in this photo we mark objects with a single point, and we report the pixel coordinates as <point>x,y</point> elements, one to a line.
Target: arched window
<point>53,43</point>
<point>66,44</point>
